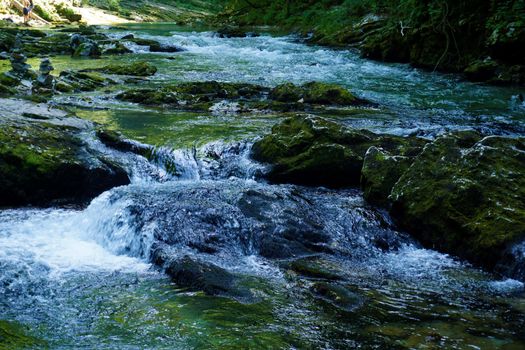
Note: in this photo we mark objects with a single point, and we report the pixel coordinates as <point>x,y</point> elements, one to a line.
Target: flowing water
<point>83,278</point>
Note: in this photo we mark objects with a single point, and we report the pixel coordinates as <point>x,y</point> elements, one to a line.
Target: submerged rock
<point>464,195</point>
<point>337,296</point>
<point>314,151</point>
<point>44,161</point>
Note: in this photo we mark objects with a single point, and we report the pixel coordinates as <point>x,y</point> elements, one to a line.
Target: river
<point>84,279</point>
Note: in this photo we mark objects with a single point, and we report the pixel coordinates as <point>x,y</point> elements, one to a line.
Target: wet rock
<point>192,95</point>
<point>481,70</point>
<point>313,93</point>
<point>314,151</point>
<point>144,42</point>
<point>381,170</point>
<point>315,267</point>
<point>115,140</point>
<point>464,195</point>
<point>81,81</point>
<point>234,32</point>
<point>45,162</point>
<point>140,69</point>
<point>117,49</point>
<point>128,37</point>
<point>337,295</point>
<point>84,47</point>
<point>164,48</point>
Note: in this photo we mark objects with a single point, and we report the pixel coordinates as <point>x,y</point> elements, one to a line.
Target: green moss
<point>314,93</point>
<point>302,148</point>
<point>464,195</point>
<point>14,336</point>
<point>142,69</point>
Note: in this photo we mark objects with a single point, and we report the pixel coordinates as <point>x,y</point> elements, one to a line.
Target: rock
<point>81,81</point>
<point>128,37</point>
<point>301,149</point>
<point>144,42</point>
<point>337,296</point>
<point>87,48</point>
<point>115,140</point>
<point>315,267</point>
<point>45,162</point>
<point>381,170</point>
<point>314,93</point>
<point>156,47</point>
<point>45,82</point>
<point>481,70</point>
<point>140,69</point>
<point>193,95</point>
<point>198,275</point>
<point>117,49</point>
<point>463,195</point>
<point>234,32</point>
<point>19,66</point>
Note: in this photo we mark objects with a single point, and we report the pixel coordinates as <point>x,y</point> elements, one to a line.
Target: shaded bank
<point>486,39</point>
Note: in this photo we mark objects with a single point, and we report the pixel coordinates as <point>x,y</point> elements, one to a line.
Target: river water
<point>83,278</point>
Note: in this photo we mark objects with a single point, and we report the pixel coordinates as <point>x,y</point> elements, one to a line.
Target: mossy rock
<point>317,268</point>
<point>192,95</point>
<point>143,42</point>
<point>117,49</point>
<point>481,71</point>
<point>87,49</point>
<point>314,93</point>
<point>43,164</point>
<point>141,69</point>
<point>314,151</point>
<point>15,336</point>
<point>81,81</point>
<point>464,195</point>
<point>381,170</point>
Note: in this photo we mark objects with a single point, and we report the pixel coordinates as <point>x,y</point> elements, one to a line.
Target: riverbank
<point>482,40</point>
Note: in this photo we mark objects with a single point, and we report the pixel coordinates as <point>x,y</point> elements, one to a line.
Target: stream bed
<point>84,279</point>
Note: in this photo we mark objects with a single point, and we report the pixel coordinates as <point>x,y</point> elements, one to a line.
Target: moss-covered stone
<point>313,93</point>
<point>314,151</point>
<point>141,69</point>
<point>481,70</point>
<point>117,49</point>
<point>381,170</point>
<point>81,81</point>
<point>464,195</point>
<point>44,163</point>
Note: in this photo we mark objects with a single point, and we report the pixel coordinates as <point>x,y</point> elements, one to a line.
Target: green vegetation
<point>436,34</point>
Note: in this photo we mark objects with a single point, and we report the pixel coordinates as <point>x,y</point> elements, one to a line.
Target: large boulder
<point>314,151</point>
<point>44,161</point>
<point>464,194</point>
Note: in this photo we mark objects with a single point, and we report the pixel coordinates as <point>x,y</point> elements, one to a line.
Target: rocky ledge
<point>203,96</point>
<point>45,160</point>
<point>461,193</point>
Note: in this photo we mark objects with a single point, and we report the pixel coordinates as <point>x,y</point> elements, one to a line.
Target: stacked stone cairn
<point>45,82</point>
